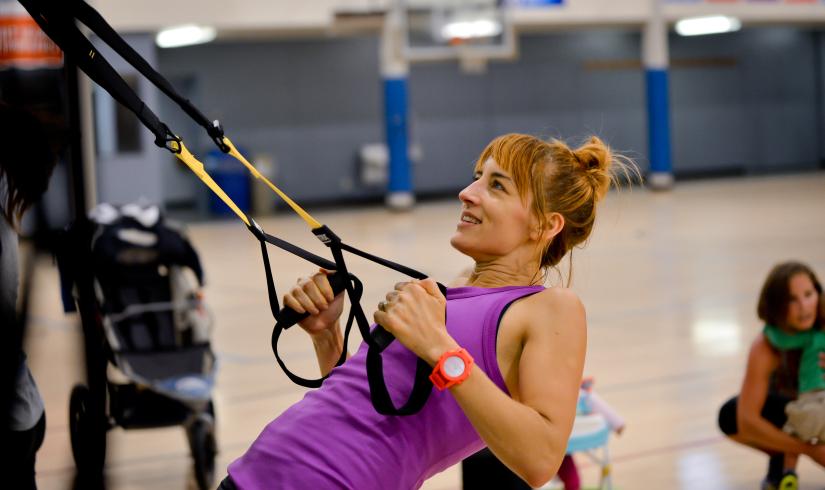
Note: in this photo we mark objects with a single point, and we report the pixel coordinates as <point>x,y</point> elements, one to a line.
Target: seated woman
<point>791,300</point>
<point>518,348</point>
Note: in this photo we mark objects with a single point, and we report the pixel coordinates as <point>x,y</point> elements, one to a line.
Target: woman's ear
<point>554,222</point>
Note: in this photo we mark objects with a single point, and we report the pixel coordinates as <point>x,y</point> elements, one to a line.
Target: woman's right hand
<point>314,295</point>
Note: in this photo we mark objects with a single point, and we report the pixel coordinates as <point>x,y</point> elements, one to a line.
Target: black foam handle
<point>383,338</point>
<point>288,317</point>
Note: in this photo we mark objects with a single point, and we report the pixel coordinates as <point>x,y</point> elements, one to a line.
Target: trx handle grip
<point>288,317</point>
<point>383,338</point>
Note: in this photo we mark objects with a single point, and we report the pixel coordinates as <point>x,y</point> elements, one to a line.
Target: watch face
<point>454,366</point>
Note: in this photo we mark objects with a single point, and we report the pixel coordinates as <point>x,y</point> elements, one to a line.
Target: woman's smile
<point>468,219</point>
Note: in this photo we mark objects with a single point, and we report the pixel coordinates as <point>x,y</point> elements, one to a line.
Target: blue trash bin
<point>232,177</point>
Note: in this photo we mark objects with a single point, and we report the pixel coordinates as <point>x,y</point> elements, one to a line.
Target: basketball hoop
<point>471,31</point>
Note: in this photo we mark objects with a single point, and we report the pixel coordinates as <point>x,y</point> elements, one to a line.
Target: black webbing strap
<point>290,315</point>
<point>57,19</point>
<point>377,339</point>
<point>386,263</point>
<point>94,21</point>
<point>381,400</point>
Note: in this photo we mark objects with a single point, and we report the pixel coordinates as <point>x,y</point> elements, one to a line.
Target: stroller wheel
<point>201,435</point>
<point>83,433</point>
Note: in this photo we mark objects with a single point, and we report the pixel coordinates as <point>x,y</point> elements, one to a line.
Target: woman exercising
<point>507,365</point>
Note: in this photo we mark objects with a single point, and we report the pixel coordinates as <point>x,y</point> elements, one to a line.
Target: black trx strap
<point>57,19</point>
<point>377,340</point>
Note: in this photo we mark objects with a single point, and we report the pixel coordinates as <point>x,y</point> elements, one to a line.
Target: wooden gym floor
<point>669,280</point>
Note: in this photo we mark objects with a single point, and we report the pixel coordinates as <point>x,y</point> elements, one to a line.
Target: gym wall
<point>746,102</point>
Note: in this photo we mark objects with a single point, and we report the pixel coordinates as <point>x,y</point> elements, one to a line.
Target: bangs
<point>520,155</point>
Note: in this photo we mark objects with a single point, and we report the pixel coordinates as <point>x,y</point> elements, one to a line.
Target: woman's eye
<point>497,185</point>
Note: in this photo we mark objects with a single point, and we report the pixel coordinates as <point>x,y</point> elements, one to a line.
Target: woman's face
<point>803,303</point>
<point>494,221</point>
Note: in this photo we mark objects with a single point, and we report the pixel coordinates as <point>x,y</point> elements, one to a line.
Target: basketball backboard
<point>457,29</point>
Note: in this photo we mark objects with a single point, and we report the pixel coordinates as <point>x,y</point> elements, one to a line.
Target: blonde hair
<point>561,179</point>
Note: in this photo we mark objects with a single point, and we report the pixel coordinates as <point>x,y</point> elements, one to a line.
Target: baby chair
<point>591,432</point>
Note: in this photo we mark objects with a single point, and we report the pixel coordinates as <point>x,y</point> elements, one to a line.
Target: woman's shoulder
<point>763,355</point>
<point>555,298</point>
<point>549,306</point>
<point>761,345</point>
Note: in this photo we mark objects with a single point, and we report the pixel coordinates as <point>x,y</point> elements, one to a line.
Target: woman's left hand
<point>414,312</point>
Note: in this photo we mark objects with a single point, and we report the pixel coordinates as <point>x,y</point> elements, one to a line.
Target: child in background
<point>589,402</point>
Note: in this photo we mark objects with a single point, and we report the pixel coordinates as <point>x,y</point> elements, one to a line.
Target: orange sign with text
<point>24,45</point>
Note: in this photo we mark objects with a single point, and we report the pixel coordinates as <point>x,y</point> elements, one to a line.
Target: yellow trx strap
<point>197,168</point>
<point>312,222</point>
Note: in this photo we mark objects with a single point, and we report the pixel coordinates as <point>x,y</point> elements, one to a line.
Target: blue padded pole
<point>656,63</point>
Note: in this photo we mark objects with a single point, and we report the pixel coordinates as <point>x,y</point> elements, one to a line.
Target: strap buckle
<point>256,230</point>
<point>169,140</point>
<point>216,132</point>
<point>326,236</point>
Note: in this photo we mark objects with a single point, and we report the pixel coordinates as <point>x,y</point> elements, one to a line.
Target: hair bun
<point>595,158</point>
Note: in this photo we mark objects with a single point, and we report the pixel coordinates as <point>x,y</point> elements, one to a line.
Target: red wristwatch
<point>451,369</point>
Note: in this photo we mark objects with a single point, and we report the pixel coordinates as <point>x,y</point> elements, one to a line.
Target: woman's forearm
<point>328,346</point>
<point>760,432</point>
<point>526,442</point>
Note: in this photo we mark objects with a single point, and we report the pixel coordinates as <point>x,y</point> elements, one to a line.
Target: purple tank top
<point>333,438</point>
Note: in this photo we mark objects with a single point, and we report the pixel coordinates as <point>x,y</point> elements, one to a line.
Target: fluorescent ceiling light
<point>467,29</point>
<point>185,35</point>
<point>714,24</point>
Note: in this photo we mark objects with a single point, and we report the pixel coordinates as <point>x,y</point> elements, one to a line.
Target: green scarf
<point>811,342</point>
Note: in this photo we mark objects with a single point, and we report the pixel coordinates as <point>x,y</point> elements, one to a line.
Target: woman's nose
<point>469,194</point>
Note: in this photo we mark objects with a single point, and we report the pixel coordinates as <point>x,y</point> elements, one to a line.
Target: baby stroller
<point>153,330</point>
